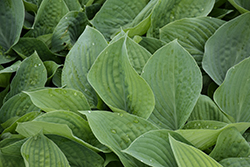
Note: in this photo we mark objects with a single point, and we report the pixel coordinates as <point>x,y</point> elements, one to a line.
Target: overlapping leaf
<point>241,5</point>
<point>51,99</point>
<point>118,84</point>
<point>175,80</point>
<point>30,75</point>
<point>41,151</point>
<point>182,154</point>
<point>232,95</point>
<point>227,47</point>
<point>153,148</point>
<point>235,162</point>
<point>192,33</point>
<point>117,131</point>
<point>79,61</point>
<point>167,11</point>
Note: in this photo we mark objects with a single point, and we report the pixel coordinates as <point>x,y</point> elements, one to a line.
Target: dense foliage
<point>124,83</point>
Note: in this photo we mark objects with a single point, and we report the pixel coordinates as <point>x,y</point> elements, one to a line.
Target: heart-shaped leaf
<point>220,53</point>
<point>176,82</point>
<point>30,75</point>
<point>118,84</point>
<point>41,151</point>
<point>79,61</point>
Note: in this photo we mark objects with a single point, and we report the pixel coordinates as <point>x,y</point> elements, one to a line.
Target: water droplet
<point>75,94</point>
<point>106,52</point>
<point>120,114</point>
<point>89,111</point>
<point>85,90</point>
<point>39,64</point>
<point>199,124</point>
<point>66,17</point>
<point>50,95</point>
<point>215,127</point>
<point>35,65</point>
<point>93,43</point>
<point>141,160</point>
<point>142,72</point>
<point>150,160</point>
<point>202,9</point>
<point>207,126</point>
<point>136,121</point>
<point>113,131</point>
<point>11,69</point>
<point>35,138</point>
<point>64,91</point>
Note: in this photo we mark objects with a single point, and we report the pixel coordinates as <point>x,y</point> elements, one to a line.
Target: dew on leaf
<point>113,131</point>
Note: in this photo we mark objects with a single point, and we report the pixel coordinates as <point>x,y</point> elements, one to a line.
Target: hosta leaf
<point>41,151</point>
<point>118,84</point>
<point>77,155</point>
<point>226,47</point>
<point>205,138</point>
<point>31,128</point>
<point>115,14</point>
<point>48,15</point>
<point>235,162</point>
<point>18,105</point>
<point>151,44</point>
<point>167,11</point>
<point>204,124</point>
<point>26,46</point>
<point>80,59</point>
<point>27,117</point>
<point>230,143</point>
<point>10,155</point>
<point>220,13</point>
<point>13,68</point>
<point>3,93</point>
<point>232,96</point>
<point>206,109</point>
<point>50,99</point>
<point>57,78</point>
<point>76,123</point>
<point>241,5</point>
<point>68,30</point>
<point>187,155</point>
<point>153,148</point>
<point>175,80</point>
<point>117,131</point>
<point>192,33</point>
<point>30,75</point>
<point>11,19</point>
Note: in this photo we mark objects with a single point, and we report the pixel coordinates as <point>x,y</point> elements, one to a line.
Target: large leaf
<point>230,143</point>
<point>18,105</point>
<point>68,30</point>
<point>77,155</point>
<point>30,75</point>
<point>235,162</point>
<point>153,148</point>
<point>118,84</point>
<point>241,5</point>
<point>48,16</point>
<point>76,123</point>
<point>31,128</point>
<point>220,49</point>
<point>115,14</point>
<point>232,96</point>
<point>206,109</point>
<point>41,151</point>
<point>176,82</point>
<point>192,33</point>
<point>118,131</point>
<point>205,138</point>
<point>50,99</point>
<point>151,44</point>
<point>11,19</point>
<point>167,11</point>
<point>80,59</point>
<point>187,155</point>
